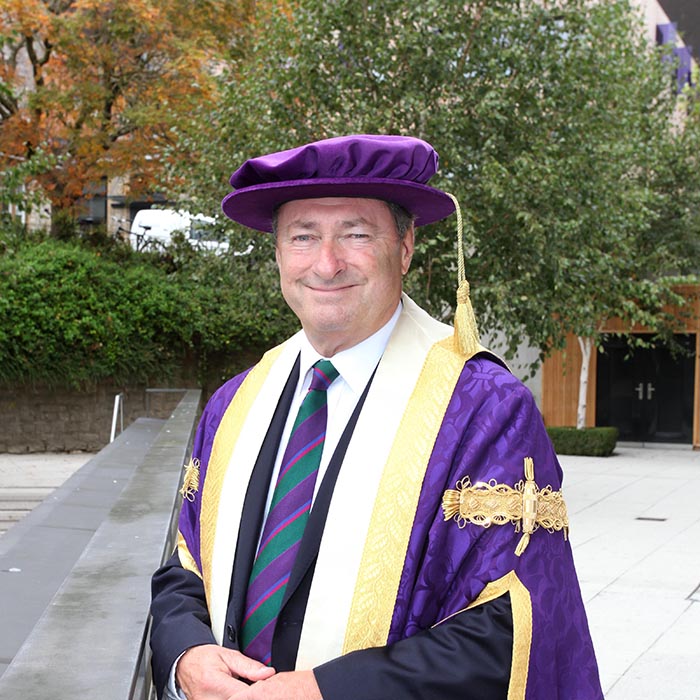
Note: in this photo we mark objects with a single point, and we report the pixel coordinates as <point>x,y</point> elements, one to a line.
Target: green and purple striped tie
<point>286,520</point>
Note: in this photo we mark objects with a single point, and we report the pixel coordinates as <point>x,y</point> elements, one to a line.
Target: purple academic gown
<point>490,426</point>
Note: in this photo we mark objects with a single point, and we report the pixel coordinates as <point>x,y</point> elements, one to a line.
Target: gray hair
<point>402,218</point>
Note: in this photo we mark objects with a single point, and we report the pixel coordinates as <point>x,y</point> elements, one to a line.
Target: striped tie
<point>286,520</point>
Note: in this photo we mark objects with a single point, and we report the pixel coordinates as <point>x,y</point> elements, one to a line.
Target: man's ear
<point>407,246</point>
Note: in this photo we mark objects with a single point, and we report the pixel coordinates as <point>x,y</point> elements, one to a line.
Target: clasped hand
<point>211,672</point>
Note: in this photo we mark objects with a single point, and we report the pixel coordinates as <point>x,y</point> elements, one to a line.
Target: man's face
<point>341,262</point>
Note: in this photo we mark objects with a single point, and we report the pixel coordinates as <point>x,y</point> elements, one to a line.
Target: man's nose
<point>330,260</point>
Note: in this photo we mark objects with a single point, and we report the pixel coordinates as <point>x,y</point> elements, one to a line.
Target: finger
<point>214,685</point>
<point>243,666</point>
<point>203,674</point>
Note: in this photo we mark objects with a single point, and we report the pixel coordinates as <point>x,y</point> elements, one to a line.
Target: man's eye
<point>301,238</point>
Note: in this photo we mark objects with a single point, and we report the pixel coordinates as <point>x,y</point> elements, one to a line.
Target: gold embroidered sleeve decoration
<point>190,482</point>
<point>525,505</point>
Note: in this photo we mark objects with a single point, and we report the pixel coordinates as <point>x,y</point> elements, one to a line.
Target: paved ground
<point>635,529</point>
<point>635,521</point>
<point>27,479</point>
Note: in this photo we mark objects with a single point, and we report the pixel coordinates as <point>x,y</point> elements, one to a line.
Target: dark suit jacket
<point>467,657</point>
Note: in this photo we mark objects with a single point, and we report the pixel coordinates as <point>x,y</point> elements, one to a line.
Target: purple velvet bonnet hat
<point>392,168</point>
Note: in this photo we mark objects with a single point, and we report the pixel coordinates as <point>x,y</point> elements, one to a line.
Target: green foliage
<point>588,442</point>
<point>72,315</point>
<point>556,127</point>
<point>237,299</point>
<point>16,188</point>
<point>67,316</point>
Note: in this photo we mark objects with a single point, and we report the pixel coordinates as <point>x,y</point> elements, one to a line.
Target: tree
<point>101,85</point>
<point>556,129</point>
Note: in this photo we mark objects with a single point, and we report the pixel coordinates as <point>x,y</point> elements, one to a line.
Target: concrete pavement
<point>27,479</point>
<point>635,531</point>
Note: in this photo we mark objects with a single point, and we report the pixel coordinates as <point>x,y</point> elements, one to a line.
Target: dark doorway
<point>647,393</point>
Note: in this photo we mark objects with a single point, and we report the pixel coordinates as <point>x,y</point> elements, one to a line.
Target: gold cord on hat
<point>466,333</point>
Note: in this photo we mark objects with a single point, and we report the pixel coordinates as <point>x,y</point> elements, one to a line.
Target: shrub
<point>69,317</point>
<point>591,442</point>
<point>72,314</point>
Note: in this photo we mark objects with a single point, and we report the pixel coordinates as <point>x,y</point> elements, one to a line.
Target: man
<point>422,553</point>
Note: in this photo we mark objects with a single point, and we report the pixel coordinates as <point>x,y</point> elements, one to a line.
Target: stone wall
<point>61,420</point>
<point>44,419</point>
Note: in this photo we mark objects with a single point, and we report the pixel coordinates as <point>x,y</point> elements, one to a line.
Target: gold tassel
<point>522,545</point>
<point>466,332</point>
<point>190,482</point>
<point>450,503</point>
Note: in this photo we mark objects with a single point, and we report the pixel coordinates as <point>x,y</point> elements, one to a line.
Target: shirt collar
<point>357,363</point>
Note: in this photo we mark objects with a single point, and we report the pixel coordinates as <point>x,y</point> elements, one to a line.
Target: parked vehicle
<point>153,229</point>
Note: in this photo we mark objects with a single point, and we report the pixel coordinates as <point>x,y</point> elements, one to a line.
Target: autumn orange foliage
<point>103,84</point>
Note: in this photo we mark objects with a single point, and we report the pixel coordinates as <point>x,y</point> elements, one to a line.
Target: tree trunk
<point>586,345</point>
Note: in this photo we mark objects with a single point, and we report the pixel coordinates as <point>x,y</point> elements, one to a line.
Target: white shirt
<point>355,367</point>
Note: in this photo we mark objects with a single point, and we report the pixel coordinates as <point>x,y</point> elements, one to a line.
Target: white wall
<point>519,363</point>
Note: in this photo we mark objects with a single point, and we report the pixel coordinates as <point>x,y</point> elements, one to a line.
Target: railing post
<point>117,411</point>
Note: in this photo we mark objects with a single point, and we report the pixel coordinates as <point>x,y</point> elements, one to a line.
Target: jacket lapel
<point>254,509</point>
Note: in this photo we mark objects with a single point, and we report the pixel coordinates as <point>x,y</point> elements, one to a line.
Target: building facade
<point>651,394</point>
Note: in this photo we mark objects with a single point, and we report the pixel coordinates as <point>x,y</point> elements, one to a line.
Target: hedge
<point>592,442</point>
<point>72,315</point>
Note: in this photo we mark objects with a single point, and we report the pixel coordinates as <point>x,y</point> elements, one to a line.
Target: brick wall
<point>57,420</point>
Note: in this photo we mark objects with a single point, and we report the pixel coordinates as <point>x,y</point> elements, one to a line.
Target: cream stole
<point>371,512</point>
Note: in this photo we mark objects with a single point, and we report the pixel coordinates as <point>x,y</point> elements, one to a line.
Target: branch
<point>37,63</point>
<point>8,104</point>
<point>467,47</point>
<point>58,7</point>
<point>122,131</point>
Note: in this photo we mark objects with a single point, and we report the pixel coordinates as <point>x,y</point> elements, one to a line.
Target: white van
<point>153,229</point>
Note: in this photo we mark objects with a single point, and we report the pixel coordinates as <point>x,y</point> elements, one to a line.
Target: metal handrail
<point>92,640</point>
